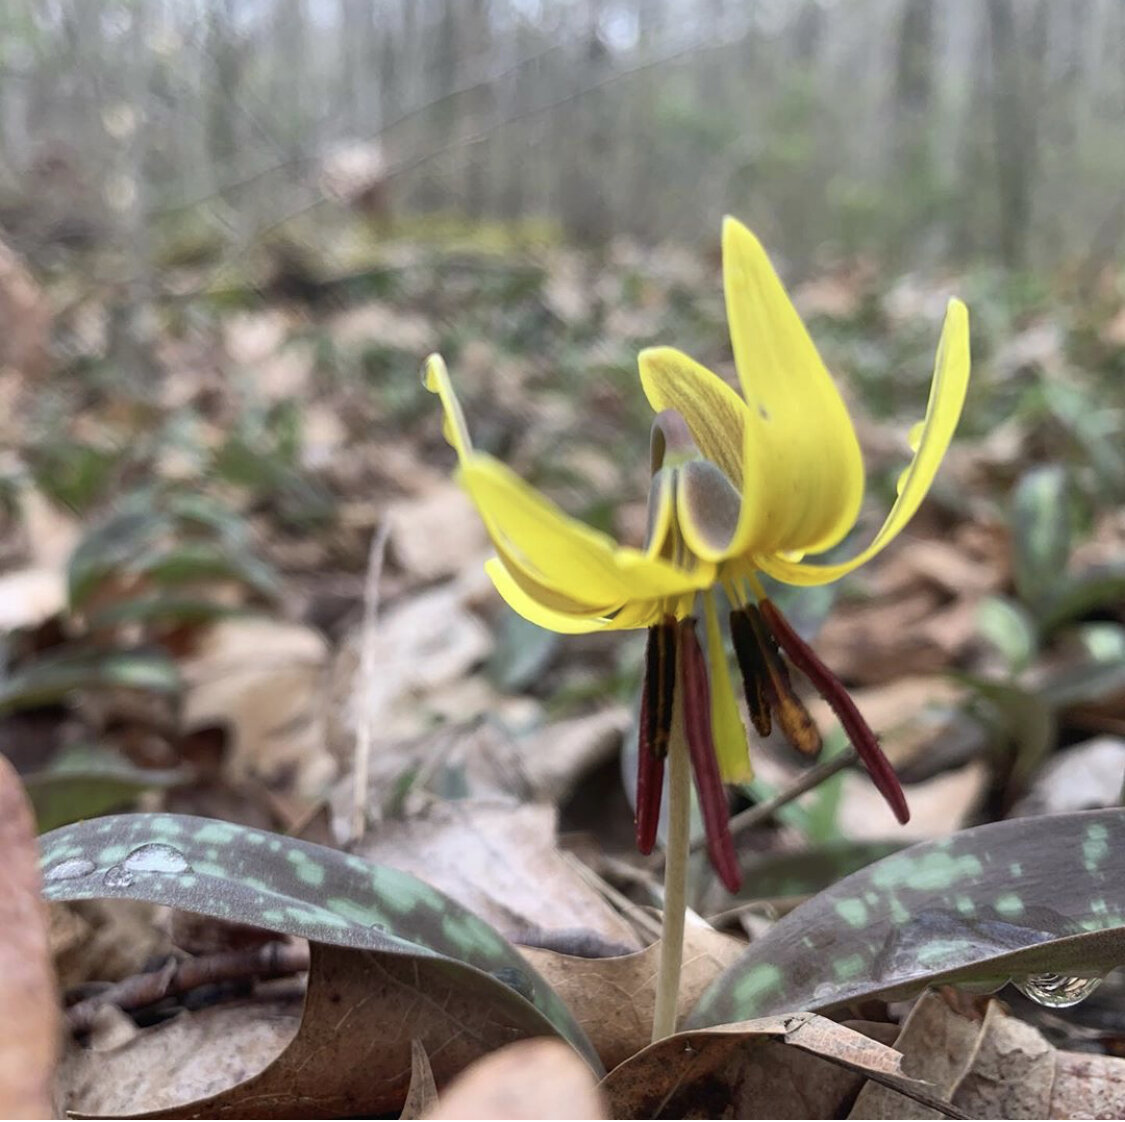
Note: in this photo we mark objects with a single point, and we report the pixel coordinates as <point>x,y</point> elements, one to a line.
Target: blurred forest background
<point>922,131</point>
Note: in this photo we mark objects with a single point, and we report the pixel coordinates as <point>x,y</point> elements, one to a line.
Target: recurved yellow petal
<point>729,733</point>
<point>567,623</point>
<point>947,396</point>
<point>532,534</point>
<point>799,431</point>
<point>435,377</point>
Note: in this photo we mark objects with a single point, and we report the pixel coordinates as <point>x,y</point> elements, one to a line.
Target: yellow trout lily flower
<point>741,485</point>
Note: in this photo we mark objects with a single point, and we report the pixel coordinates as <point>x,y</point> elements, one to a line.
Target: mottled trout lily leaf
<point>250,876</point>
<point>1040,901</point>
<point>50,678</point>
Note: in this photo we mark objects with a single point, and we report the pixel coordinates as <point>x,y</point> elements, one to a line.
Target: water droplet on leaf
<point>1058,991</point>
<point>156,857</point>
<point>71,869</point>
<point>117,876</point>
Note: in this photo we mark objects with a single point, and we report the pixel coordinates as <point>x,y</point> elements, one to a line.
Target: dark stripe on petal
<point>704,762</point>
<point>832,690</point>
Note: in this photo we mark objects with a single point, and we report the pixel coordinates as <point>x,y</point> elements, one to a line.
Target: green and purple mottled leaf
<point>51,678</point>
<point>250,876</point>
<point>1042,519</point>
<point>1008,900</point>
<point>89,780</point>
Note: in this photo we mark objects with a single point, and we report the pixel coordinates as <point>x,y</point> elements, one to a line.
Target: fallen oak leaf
<point>1015,1073</point>
<point>796,1065</point>
<point>937,1046</point>
<point>351,1055</point>
<point>29,1020</point>
<point>614,999</point>
<point>996,1066</point>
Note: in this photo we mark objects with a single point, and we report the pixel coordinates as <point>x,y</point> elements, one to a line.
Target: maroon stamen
<point>832,690</point>
<point>657,697</point>
<point>704,762</point>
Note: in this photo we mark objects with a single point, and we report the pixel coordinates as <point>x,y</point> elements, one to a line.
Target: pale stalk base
<point>675,879</point>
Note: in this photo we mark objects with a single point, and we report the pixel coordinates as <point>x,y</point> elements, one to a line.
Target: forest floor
<point>236,566</point>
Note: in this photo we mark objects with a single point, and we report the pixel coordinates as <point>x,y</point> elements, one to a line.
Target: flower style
<point>740,486</point>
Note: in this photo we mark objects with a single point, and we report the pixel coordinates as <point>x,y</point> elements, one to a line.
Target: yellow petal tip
<point>434,373</point>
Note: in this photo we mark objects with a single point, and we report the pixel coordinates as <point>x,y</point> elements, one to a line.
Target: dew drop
<point>71,869</point>
<point>156,857</point>
<point>117,876</point>
<point>1058,991</point>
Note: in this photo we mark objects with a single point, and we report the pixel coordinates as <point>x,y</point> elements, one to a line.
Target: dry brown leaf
<point>264,681</point>
<point>797,1065</point>
<point>554,759</point>
<point>530,1079</point>
<point>936,1045</point>
<point>28,1006</point>
<point>998,1067</point>
<point>103,940</point>
<point>30,597</point>
<point>422,1096</point>
<point>188,1058</point>
<point>938,806</point>
<point>437,535</point>
<point>25,318</point>
<point>278,366</point>
<point>51,533</point>
<point>1083,777</point>
<point>422,645</point>
<point>614,998</point>
<point>350,1057</point>
<point>901,711</point>
<point>883,638</point>
<point>1015,1073</point>
<point>498,859</point>
<point>383,325</point>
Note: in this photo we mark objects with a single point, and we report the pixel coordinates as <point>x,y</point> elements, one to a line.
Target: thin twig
<point>643,923</point>
<point>756,815</point>
<point>270,960</point>
<point>366,675</point>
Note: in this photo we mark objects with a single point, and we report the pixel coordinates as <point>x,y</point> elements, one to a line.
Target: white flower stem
<point>675,877</point>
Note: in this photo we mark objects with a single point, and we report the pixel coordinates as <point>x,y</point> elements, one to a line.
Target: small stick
<point>366,674</point>
<point>814,777</point>
<point>270,960</point>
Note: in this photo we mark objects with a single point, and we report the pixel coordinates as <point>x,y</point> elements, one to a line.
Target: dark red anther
<point>832,690</point>
<point>657,699</point>
<point>755,672</point>
<point>704,762</point>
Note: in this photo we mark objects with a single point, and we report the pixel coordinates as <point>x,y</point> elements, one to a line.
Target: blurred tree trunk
<point>912,147</point>
<point>585,141</point>
<point>473,53</point>
<point>132,329</point>
<point>1014,115</point>
<point>226,55</point>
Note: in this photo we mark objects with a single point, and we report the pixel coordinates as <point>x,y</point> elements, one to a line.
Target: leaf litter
<point>483,734</point>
